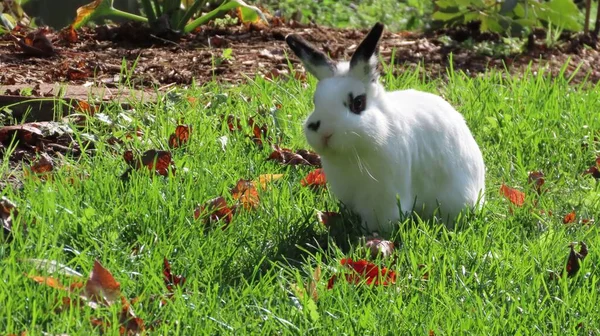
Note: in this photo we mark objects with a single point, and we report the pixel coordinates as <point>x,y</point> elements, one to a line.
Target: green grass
<point>489,278</point>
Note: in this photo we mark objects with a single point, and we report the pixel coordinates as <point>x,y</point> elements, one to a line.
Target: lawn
<point>493,276</point>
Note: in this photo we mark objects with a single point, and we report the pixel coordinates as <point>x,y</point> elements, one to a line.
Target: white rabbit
<point>387,153</point>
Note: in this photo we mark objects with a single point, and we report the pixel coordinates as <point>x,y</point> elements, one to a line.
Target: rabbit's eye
<point>358,103</point>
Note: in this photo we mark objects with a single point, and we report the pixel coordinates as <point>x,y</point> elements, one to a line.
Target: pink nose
<point>326,139</point>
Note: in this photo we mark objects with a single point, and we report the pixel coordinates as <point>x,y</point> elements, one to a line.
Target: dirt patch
<point>130,55</point>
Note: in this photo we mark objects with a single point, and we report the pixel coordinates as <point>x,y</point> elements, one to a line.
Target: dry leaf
<point>245,193</point>
<point>570,217</point>
<point>515,196</point>
<point>264,179</point>
<point>102,286</point>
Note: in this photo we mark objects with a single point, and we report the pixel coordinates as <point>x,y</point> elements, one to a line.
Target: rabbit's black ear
<point>363,63</point>
<point>315,61</point>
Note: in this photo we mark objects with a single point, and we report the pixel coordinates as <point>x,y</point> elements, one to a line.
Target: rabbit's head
<point>348,99</point>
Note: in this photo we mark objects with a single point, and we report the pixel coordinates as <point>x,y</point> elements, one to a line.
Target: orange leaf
<point>68,34</point>
<point>43,165</point>
<point>365,271</point>
<point>215,209</point>
<point>515,196</point>
<point>102,286</point>
<point>315,178</point>
<point>48,281</point>
<point>180,137</point>
<point>569,218</point>
<point>245,193</point>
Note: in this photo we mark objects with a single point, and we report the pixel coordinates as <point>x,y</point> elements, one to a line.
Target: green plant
<point>514,17</point>
<point>11,14</point>
<point>180,16</point>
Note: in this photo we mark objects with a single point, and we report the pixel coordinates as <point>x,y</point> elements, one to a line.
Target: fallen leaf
<point>102,286</point>
<point>215,210</point>
<point>44,164</point>
<point>68,34</point>
<point>594,170</point>
<point>380,247</point>
<point>310,288</point>
<point>536,178</point>
<point>28,133</point>
<point>36,44</point>
<point>569,218</point>
<point>245,192</point>
<point>48,281</point>
<point>314,179</point>
<point>259,133</point>
<point>365,271</point>
<point>300,157</point>
<point>171,281</point>
<point>327,217</point>
<point>264,179</point>
<point>8,211</point>
<point>157,161</point>
<point>573,263</point>
<point>515,196</point>
<point>180,137</point>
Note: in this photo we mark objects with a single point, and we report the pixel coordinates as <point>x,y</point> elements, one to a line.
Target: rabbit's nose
<point>314,126</point>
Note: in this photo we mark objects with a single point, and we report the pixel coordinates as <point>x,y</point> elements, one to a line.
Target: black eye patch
<point>357,104</point>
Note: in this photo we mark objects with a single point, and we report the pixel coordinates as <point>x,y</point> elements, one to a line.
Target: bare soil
<point>95,59</point>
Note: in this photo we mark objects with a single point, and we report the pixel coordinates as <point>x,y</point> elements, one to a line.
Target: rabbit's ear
<point>363,64</point>
<point>315,61</point>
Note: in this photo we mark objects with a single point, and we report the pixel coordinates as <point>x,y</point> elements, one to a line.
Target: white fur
<point>408,144</point>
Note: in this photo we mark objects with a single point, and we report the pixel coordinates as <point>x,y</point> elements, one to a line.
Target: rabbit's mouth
<point>325,140</point>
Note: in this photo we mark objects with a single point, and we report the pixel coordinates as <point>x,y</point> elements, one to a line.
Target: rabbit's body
<point>427,161</point>
<point>378,147</point>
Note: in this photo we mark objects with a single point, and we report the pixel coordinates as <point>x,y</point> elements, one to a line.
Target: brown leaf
<point>102,286</point>
<point>594,170</point>
<point>536,178</point>
<point>44,164</point>
<point>327,217</point>
<point>380,247</point>
<point>8,211</point>
<point>515,196</point>
<point>302,156</point>
<point>171,281</point>
<point>180,137</point>
<point>573,263</point>
<point>310,288</point>
<point>245,192</point>
<point>29,133</point>
<point>68,34</point>
<point>36,44</point>
<point>259,133</point>
<point>569,218</point>
<point>129,323</point>
<point>214,210</point>
<point>314,179</point>
<point>156,161</point>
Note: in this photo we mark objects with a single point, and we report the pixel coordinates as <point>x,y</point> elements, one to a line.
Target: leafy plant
<point>11,13</point>
<point>173,15</point>
<point>510,16</point>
